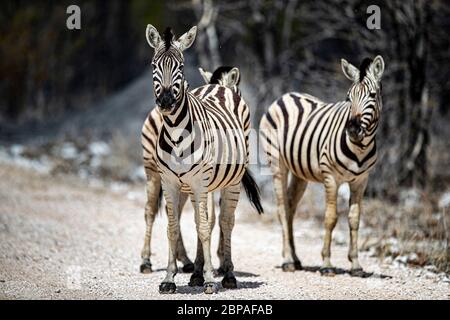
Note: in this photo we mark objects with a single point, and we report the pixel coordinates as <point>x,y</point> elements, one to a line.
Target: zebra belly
<point>306,167</point>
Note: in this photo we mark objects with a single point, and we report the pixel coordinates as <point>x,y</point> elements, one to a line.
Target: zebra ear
<point>153,37</point>
<point>377,67</point>
<point>206,75</point>
<point>350,71</point>
<point>233,77</point>
<point>187,39</point>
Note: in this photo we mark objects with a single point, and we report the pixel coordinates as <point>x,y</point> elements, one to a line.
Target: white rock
<point>68,151</point>
<point>444,200</point>
<point>339,238</point>
<point>393,244</point>
<point>99,148</point>
<point>410,198</point>
<point>388,260</point>
<point>95,162</point>
<point>413,257</point>
<point>430,267</point>
<point>17,150</point>
<point>401,259</point>
<point>138,174</point>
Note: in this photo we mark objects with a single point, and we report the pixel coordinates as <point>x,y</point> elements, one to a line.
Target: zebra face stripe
<point>168,79</point>
<point>365,100</point>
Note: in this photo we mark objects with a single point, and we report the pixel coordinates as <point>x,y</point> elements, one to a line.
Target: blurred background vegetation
<point>64,89</point>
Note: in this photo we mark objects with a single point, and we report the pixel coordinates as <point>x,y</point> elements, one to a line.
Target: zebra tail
<point>252,191</point>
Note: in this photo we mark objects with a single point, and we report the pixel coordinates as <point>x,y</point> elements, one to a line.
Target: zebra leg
<point>280,186</point>
<point>228,201</point>
<point>295,192</point>
<point>172,196</point>
<point>205,222</point>
<point>357,190</point>
<point>330,222</point>
<point>220,271</point>
<point>151,209</point>
<point>188,266</point>
<point>197,279</point>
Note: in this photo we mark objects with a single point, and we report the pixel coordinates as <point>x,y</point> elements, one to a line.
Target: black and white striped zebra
<point>226,76</point>
<point>331,143</point>
<point>201,148</point>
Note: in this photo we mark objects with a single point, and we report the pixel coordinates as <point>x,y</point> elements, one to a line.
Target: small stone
<point>444,200</point>
<point>401,259</point>
<point>99,148</point>
<point>430,267</point>
<point>68,151</point>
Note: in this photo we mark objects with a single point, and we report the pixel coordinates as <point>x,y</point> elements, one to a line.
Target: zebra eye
<point>181,67</point>
<point>373,95</point>
<point>348,98</point>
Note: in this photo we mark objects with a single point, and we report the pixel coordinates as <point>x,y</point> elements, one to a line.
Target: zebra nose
<point>166,99</point>
<point>355,121</point>
<point>354,128</point>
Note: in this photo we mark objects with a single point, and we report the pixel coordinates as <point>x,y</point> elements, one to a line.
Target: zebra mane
<point>168,38</point>
<point>363,68</point>
<point>217,75</point>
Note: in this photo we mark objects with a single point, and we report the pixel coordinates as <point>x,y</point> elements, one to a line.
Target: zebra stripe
<point>330,143</point>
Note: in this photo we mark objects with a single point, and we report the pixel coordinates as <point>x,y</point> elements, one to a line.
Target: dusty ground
<point>60,238</point>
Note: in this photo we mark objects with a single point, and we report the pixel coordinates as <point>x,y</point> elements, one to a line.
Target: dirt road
<point>60,238</point>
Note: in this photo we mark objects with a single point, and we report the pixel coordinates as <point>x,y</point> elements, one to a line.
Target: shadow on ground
<point>185,289</point>
<point>216,274</point>
<point>340,271</point>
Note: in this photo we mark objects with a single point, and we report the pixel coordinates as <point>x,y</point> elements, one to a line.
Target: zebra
<point>224,75</point>
<point>202,147</point>
<point>330,143</point>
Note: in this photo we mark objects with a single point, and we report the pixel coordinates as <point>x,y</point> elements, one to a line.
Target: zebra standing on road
<point>331,143</point>
<point>201,148</point>
<point>225,76</point>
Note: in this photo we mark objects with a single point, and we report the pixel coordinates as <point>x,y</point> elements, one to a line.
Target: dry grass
<point>418,233</point>
<point>412,231</point>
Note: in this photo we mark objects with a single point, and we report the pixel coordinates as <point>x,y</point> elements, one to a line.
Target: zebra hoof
<point>359,272</point>
<point>328,271</point>
<point>167,288</point>
<point>220,271</point>
<point>210,288</point>
<point>288,267</point>
<point>229,281</point>
<point>188,267</point>
<point>196,280</point>
<point>146,266</point>
<point>298,265</point>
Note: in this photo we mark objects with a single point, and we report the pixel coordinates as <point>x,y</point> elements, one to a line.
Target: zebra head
<point>225,76</point>
<point>364,96</point>
<point>168,67</point>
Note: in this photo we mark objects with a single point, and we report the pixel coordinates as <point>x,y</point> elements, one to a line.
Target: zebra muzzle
<point>354,129</point>
<point>166,101</point>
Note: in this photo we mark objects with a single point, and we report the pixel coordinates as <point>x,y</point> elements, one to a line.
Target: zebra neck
<point>362,148</point>
<point>179,124</point>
